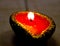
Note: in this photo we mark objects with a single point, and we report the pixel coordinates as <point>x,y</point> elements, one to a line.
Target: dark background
<point>48,7</point>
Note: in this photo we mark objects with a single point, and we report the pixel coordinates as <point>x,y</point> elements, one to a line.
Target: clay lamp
<point>32,27</point>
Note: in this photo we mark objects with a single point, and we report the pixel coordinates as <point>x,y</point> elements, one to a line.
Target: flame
<point>30,16</point>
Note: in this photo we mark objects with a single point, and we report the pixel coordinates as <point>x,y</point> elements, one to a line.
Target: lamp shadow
<point>52,42</point>
<point>9,39</point>
<point>17,42</point>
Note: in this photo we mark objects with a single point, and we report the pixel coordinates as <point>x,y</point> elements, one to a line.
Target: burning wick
<point>30,16</point>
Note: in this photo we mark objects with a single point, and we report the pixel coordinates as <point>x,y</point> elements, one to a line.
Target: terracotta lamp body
<point>32,30</point>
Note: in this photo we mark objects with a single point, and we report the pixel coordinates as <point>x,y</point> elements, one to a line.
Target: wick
<point>31,20</point>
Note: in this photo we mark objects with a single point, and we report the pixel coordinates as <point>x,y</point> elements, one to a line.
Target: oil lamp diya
<point>32,27</point>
